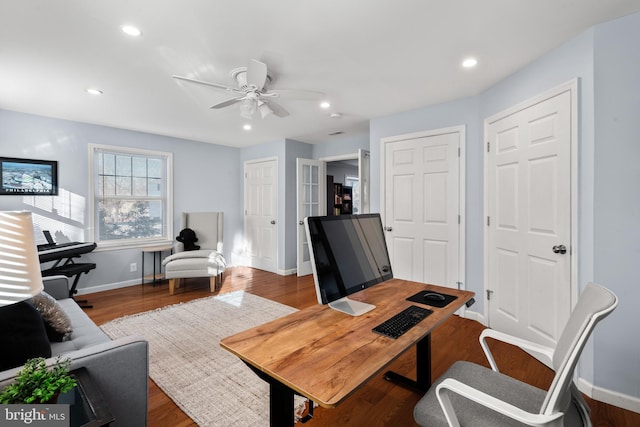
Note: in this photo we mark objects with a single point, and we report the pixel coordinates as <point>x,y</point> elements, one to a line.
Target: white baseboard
<point>288,272</point>
<point>610,397</point>
<point>109,286</point>
<point>474,315</point>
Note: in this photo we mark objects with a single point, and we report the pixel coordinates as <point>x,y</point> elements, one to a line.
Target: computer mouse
<point>432,296</point>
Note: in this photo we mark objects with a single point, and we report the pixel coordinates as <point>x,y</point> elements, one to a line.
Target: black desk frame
<point>281,396</point>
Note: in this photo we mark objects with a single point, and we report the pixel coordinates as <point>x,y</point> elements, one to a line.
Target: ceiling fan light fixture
<point>264,109</point>
<point>247,108</point>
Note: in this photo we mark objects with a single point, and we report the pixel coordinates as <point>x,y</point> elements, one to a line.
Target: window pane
<point>130,219</point>
<point>140,166</point>
<point>109,164</point>
<point>155,168</point>
<point>139,187</point>
<point>306,174</point>
<point>155,187</point>
<point>109,185</point>
<point>123,165</point>
<point>123,186</point>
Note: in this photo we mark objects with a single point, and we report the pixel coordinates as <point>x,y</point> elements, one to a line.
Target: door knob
<point>300,222</point>
<point>273,221</point>
<point>389,228</point>
<point>559,249</point>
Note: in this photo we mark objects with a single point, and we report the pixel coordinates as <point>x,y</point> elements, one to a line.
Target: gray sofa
<point>119,368</point>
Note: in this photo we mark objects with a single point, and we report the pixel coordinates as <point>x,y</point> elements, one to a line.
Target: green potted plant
<point>36,383</point>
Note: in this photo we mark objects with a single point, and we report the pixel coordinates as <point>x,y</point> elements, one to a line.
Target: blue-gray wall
<point>616,249</point>
<point>204,180</point>
<point>606,61</point>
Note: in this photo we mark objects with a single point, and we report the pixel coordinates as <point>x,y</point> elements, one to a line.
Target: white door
<point>422,207</point>
<point>528,184</point>
<point>261,230</point>
<point>311,183</point>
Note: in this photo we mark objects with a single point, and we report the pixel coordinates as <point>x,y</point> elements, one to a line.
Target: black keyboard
<point>400,323</point>
<point>48,246</point>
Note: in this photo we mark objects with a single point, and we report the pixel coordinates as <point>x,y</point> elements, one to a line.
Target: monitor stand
<point>351,307</point>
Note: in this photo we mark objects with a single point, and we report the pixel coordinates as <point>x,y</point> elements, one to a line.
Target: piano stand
<point>71,269</point>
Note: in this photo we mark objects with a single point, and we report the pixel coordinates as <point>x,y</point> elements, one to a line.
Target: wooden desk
<point>326,355</point>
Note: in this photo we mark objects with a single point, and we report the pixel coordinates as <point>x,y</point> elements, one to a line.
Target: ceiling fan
<point>252,93</point>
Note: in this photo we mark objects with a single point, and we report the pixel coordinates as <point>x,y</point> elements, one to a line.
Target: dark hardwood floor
<point>378,403</point>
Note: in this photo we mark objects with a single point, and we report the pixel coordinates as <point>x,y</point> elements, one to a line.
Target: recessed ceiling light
<point>246,127</point>
<point>131,30</point>
<point>469,62</point>
<point>335,115</point>
<point>325,104</point>
<point>94,91</point>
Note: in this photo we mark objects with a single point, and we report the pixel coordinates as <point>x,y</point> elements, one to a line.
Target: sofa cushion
<point>57,323</point>
<point>22,335</point>
<point>85,332</point>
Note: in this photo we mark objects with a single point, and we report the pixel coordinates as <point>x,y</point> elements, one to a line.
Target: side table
<point>157,252</point>
<point>87,407</point>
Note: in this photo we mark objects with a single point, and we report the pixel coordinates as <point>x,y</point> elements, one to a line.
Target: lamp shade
<point>20,276</point>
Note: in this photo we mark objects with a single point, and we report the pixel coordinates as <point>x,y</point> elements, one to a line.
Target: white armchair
<point>472,395</point>
<point>208,261</point>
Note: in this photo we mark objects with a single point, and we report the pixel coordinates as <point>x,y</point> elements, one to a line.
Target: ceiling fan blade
<point>201,82</point>
<point>298,94</point>
<point>257,74</point>
<point>227,102</point>
<point>277,109</point>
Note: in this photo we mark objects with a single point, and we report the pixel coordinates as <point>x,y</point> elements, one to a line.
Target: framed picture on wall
<point>28,177</point>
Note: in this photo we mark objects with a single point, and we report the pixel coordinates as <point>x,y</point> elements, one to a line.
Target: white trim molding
<point>610,397</point>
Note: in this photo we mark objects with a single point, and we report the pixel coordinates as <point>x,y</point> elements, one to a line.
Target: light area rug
<point>211,385</point>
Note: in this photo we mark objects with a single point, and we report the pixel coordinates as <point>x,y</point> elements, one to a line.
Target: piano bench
<point>70,270</point>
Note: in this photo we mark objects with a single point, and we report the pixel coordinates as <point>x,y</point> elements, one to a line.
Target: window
<point>130,195</point>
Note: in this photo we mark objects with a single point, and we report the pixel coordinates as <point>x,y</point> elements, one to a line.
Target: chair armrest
<point>56,286</point>
<point>450,385</point>
<point>545,353</point>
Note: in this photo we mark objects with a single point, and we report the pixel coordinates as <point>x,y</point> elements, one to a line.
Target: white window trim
<point>106,245</point>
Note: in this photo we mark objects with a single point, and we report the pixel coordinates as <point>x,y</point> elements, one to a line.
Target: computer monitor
<point>348,254</point>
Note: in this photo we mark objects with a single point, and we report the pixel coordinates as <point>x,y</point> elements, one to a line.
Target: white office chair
<point>208,261</point>
<point>472,395</point>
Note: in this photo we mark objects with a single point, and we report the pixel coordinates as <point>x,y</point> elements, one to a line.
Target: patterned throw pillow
<point>56,321</point>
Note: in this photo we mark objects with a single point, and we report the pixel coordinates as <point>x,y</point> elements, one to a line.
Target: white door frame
<point>572,87</point>
<point>461,130</point>
<point>365,195</point>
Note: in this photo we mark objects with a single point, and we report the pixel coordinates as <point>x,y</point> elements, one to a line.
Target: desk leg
<point>280,404</point>
<point>280,401</point>
<point>423,369</point>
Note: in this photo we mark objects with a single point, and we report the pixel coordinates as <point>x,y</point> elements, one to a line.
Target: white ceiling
<point>370,58</point>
